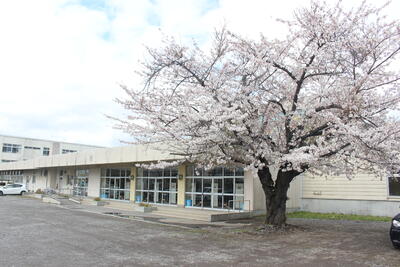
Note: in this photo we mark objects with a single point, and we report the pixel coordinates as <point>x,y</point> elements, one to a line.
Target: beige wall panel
<point>294,193</point>
<point>181,185</point>
<point>133,184</point>
<point>362,186</point>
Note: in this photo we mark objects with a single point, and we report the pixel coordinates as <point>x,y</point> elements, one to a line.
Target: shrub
<point>39,191</point>
<point>97,199</point>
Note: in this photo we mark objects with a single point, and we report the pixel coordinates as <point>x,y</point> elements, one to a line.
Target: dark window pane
<point>167,172</point>
<point>174,172</point>
<point>394,186</point>
<point>159,185</point>
<point>166,184</point>
<point>215,172</point>
<point>197,201</point>
<point>207,185</point>
<point>228,185</point>
<point>145,184</point>
<point>165,198</point>
<point>151,197</point>
<point>239,172</point>
<point>198,185</point>
<point>206,201</point>
<point>229,172</point>
<point>115,172</point>
<point>217,186</point>
<point>158,197</point>
<point>156,173</point>
<point>151,184</point>
<point>227,202</point>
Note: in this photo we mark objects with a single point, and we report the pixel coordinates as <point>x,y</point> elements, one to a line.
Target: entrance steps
<point>185,213</point>
<point>176,212</point>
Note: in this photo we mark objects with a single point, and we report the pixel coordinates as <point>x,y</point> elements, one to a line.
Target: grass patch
<point>337,216</point>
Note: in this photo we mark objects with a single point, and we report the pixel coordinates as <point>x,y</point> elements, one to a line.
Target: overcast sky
<point>61,60</point>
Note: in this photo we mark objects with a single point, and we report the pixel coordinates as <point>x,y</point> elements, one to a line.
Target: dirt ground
<point>309,242</point>
<point>39,234</point>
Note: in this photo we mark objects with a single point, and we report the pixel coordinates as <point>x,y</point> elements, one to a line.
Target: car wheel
<point>396,246</point>
<point>1,193</point>
<point>23,193</point>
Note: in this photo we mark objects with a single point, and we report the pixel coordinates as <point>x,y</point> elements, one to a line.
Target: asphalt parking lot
<point>33,233</point>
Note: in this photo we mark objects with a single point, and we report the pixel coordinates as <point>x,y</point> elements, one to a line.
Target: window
<point>46,151</point>
<point>81,183</point>
<point>394,186</point>
<point>65,151</point>
<point>32,147</point>
<point>157,186</point>
<point>218,188</point>
<point>11,148</point>
<point>8,160</point>
<point>44,172</point>
<point>115,184</point>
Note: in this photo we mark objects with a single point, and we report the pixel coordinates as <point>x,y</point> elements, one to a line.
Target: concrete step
<point>203,217</point>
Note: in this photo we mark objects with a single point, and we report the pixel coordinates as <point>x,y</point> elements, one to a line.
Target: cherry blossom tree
<point>322,100</point>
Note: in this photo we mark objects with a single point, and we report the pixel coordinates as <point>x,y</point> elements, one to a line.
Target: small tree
<point>319,100</point>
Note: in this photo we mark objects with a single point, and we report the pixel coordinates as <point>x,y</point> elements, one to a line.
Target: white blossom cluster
<point>319,100</point>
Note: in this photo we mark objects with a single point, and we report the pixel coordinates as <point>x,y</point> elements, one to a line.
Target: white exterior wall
<point>94,182</point>
<point>40,182</point>
<point>27,153</point>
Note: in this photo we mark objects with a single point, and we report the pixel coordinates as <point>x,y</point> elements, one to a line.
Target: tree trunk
<point>276,194</point>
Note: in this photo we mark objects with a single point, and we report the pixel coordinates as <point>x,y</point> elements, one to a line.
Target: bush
<point>141,204</point>
<point>97,199</point>
<point>39,191</point>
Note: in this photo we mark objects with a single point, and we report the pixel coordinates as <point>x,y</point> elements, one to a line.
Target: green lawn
<point>337,216</point>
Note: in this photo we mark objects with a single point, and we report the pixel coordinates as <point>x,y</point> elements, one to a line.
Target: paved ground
<point>38,234</point>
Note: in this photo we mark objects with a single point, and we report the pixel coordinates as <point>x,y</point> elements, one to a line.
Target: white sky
<point>61,60</point>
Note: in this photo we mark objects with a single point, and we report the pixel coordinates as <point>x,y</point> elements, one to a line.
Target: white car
<point>13,189</point>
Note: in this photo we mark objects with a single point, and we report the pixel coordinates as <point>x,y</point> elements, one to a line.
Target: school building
<point>119,175</point>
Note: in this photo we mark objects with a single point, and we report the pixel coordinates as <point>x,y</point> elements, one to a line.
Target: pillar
<point>181,185</point>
